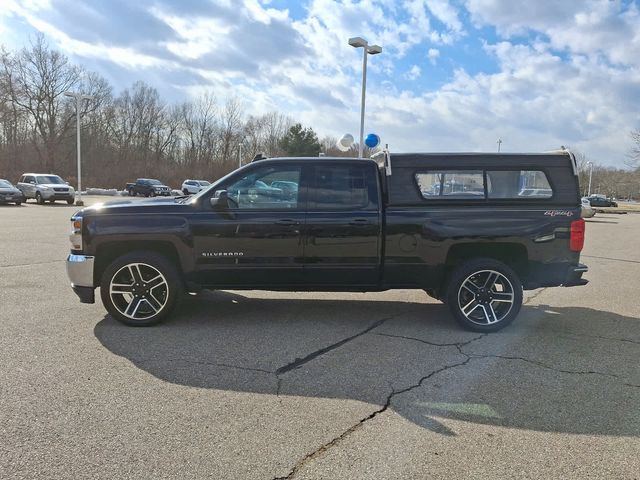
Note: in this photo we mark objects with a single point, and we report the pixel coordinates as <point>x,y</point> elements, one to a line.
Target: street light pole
<point>239,155</point>
<point>78,98</point>
<point>590,174</point>
<point>499,142</point>
<point>367,50</point>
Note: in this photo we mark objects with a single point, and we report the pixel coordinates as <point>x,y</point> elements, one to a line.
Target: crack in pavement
<point>335,441</point>
<point>298,362</point>
<point>602,337</point>
<point>361,422</point>
<point>30,264</point>
<point>548,367</point>
<point>534,296</point>
<point>455,344</point>
<point>610,258</point>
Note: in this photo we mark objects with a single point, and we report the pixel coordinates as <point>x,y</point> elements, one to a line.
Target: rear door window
<point>451,184</point>
<point>338,187</point>
<point>518,184</point>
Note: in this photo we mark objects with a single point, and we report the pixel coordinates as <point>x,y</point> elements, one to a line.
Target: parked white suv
<point>45,187</point>
<point>193,186</point>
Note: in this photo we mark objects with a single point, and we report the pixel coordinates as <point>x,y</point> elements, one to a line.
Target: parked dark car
<point>598,200</point>
<point>148,187</point>
<point>352,225</point>
<point>9,193</point>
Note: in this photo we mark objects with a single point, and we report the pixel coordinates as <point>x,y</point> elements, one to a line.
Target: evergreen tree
<point>300,142</point>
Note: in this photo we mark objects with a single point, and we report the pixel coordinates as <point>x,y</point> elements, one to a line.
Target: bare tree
<point>40,78</point>
<point>634,154</point>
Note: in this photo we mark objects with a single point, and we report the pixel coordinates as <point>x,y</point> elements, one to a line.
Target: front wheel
<point>39,199</point>
<point>140,288</point>
<point>69,201</point>
<point>484,295</point>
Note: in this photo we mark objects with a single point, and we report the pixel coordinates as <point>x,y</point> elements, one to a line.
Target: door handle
<point>287,221</point>
<point>359,221</point>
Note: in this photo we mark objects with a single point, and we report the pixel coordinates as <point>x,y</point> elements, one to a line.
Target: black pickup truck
<point>455,225</point>
<point>149,187</point>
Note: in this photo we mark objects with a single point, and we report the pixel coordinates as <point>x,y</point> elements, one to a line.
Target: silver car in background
<point>587,210</point>
<point>45,187</point>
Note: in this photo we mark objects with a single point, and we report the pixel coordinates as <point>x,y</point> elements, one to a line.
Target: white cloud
<point>413,73</point>
<point>587,27</point>
<point>576,83</point>
<point>433,54</point>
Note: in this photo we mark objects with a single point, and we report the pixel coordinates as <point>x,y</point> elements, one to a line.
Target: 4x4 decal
<point>559,213</point>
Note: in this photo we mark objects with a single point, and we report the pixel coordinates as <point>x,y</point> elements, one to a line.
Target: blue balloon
<point>372,140</point>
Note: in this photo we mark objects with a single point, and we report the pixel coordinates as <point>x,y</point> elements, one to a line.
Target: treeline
<point>613,182</point>
<point>138,134</point>
<point>132,134</point>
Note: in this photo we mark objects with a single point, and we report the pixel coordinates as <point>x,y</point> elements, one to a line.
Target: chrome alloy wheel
<point>139,291</point>
<point>486,297</point>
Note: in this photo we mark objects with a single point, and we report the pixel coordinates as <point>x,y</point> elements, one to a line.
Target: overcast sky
<point>453,76</point>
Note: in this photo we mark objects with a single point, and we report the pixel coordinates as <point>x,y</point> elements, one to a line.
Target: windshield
<point>155,182</point>
<point>49,179</point>
<point>5,184</point>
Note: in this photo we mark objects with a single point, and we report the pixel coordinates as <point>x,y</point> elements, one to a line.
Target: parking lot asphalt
<point>316,385</point>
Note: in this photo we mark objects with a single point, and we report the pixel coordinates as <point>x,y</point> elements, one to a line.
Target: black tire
<point>490,308</point>
<point>39,199</point>
<point>152,193</point>
<point>69,201</point>
<point>185,191</point>
<point>149,264</point>
<point>18,204</point>
<point>132,193</point>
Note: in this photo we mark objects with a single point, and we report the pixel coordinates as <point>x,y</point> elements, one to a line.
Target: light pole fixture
<point>78,97</point>
<point>499,142</point>
<point>239,154</point>
<point>590,174</point>
<point>367,49</point>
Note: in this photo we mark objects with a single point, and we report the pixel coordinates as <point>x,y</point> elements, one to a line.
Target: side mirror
<point>67,183</point>
<point>220,201</point>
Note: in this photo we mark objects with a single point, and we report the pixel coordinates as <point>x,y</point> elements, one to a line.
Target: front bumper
<point>80,272</point>
<point>11,197</point>
<point>52,195</point>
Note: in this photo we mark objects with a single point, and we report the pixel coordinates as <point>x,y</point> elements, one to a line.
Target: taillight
<point>576,239</point>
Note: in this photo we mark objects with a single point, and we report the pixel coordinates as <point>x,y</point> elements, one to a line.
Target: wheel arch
<point>107,252</point>
<point>515,255</point>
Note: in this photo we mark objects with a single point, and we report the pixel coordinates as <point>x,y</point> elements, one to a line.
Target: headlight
<point>76,233</point>
<point>44,188</point>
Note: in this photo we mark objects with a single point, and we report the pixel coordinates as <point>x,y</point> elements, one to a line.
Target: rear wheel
<point>140,288</point>
<point>484,295</point>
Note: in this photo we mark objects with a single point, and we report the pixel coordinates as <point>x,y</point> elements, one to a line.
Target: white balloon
<point>341,147</point>
<point>346,141</point>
